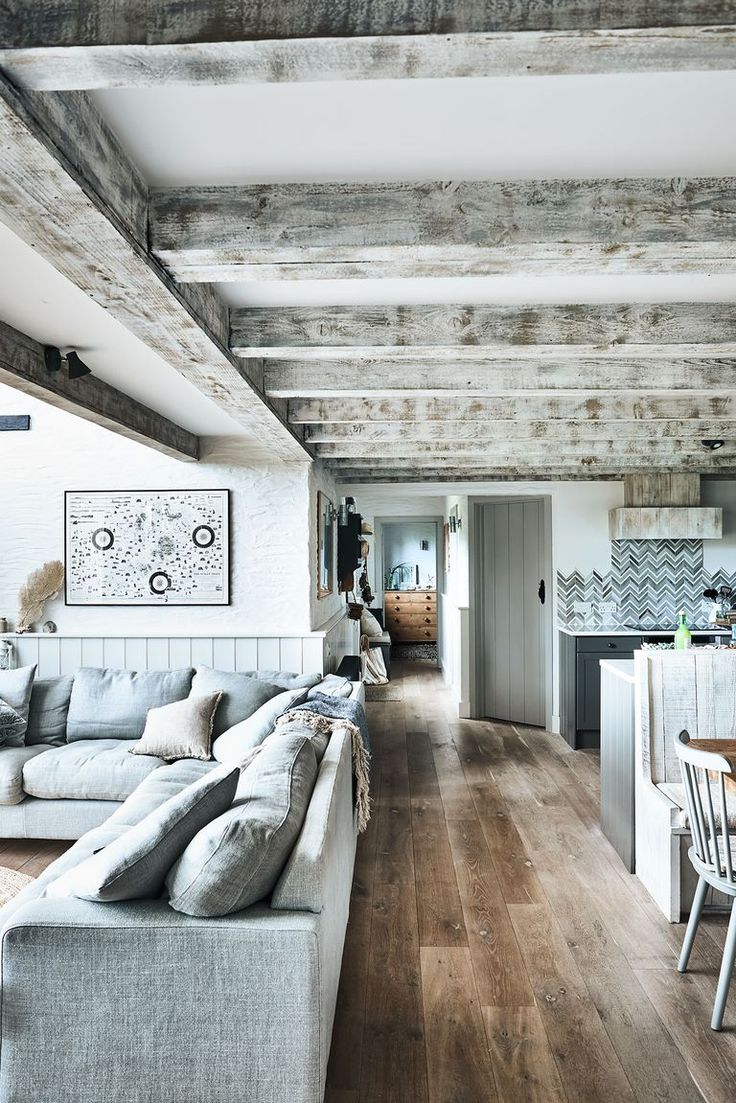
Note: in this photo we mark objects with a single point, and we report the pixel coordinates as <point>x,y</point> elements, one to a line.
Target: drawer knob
<point>611,644</point>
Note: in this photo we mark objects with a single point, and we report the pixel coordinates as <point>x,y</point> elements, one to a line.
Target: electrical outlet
<point>608,607</point>
<point>582,608</point>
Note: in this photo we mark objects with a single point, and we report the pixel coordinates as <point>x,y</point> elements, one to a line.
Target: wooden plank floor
<point>497,948</point>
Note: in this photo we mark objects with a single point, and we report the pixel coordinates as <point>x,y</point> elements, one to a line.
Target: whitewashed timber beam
<point>22,367</point>
<point>52,44</point>
<point>577,472</point>
<point>524,228</point>
<point>657,459</point>
<point>540,451</point>
<point>484,332</point>
<point>607,408</point>
<point>68,189</point>
<point>369,434</point>
<point>398,379</point>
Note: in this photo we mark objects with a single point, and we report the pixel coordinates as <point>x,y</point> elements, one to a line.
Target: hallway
<point>497,949</point>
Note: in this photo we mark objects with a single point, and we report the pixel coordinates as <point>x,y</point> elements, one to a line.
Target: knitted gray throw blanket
<point>324,714</point>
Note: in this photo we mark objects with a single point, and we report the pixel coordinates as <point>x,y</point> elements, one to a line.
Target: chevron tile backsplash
<point>648,582</point>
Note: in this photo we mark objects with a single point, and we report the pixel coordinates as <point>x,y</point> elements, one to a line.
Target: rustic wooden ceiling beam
<point>532,449</point>
<point>400,379</point>
<point>487,332</point>
<point>640,408</point>
<point>522,473</point>
<point>481,228</point>
<point>52,44</point>
<point>68,189</point>
<point>22,367</point>
<point>369,434</point>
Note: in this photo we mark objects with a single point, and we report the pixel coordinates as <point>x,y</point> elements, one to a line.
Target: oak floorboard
<point>498,967</point>
<point>523,1065</point>
<point>589,1067</point>
<point>459,1068</point>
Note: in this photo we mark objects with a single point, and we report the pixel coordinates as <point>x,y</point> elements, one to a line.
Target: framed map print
<point>147,547</point>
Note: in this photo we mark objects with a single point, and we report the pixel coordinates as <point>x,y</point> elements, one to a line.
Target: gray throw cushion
<point>87,769</point>
<point>180,730</point>
<point>285,679</point>
<point>237,859</point>
<point>114,704</point>
<point>242,694</point>
<point>232,746</point>
<point>15,691</point>
<point>12,726</point>
<point>134,866</point>
<point>48,710</point>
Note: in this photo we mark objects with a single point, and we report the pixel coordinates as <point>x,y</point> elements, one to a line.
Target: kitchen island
<point>581,653</point>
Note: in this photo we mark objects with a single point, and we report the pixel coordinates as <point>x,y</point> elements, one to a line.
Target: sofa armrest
<point>114,1002</point>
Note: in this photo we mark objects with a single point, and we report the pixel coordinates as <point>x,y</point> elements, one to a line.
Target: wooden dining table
<point>726,747</point>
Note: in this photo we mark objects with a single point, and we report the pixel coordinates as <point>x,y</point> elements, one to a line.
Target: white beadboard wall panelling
<point>320,651</point>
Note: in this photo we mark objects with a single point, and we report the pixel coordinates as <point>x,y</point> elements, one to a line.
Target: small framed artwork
<point>325,546</point>
<point>147,547</point>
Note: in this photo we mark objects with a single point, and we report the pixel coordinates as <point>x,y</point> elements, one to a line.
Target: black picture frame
<point>161,604</point>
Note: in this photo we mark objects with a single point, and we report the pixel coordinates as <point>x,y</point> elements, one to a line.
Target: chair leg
<point>692,924</point>
<point>724,978</point>
<point>699,899</point>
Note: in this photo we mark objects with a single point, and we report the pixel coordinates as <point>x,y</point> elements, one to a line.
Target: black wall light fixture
<point>75,366</point>
<point>712,445</point>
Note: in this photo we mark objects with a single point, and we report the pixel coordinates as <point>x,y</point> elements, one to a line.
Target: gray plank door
<point>512,631</point>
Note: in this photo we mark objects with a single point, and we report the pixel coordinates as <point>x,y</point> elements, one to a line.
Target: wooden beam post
<point>22,367</point>
<point>52,44</point>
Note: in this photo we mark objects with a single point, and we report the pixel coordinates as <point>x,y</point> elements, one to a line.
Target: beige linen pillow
<point>182,729</point>
<point>369,626</point>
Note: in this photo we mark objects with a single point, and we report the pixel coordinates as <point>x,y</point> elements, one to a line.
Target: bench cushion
<point>88,769</point>
<point>113,704</point>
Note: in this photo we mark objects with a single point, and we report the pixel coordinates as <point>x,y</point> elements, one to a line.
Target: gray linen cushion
<point>134,866</point>
<point>180,730</point>
<point>12,726</point>
<point>285,679</point>
<point>12,764</point>
<point>114,704</point>
<point>237,859</point>
<point>236,742</point>
<point>48,710</point>
<point>241,694</point>
<point>15,691</point>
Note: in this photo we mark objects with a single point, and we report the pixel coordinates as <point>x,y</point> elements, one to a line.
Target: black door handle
<point>541,592</point>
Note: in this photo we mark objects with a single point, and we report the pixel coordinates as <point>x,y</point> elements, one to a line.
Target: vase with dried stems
<point>40,586</point>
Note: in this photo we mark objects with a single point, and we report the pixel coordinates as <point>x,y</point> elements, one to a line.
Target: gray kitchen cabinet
<point>580,683</point>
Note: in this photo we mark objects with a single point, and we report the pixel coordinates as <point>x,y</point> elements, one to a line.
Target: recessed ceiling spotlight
<point>712,445</point>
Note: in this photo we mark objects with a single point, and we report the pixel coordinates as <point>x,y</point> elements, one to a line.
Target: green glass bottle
<point>683,635</point>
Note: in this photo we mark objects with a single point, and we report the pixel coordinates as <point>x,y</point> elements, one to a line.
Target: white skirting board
<point>316,652</point>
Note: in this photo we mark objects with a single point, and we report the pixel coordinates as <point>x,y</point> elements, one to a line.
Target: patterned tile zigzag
<point>649,581</point>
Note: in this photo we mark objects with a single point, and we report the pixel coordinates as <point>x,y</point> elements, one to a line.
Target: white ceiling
<point>647,125</point>
<point>38,301</point>
<point>507,128</point>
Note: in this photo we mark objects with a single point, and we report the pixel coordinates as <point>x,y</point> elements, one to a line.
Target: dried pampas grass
<point>40,587</point>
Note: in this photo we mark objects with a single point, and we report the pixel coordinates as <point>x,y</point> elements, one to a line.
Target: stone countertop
<point>640,631</point>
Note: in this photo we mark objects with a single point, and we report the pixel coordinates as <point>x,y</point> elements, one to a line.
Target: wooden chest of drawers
<point>411,615</point>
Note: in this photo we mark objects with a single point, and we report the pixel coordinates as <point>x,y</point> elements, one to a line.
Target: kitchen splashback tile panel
<point>649,581</point>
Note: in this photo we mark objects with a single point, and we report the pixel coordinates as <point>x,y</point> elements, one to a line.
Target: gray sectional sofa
<point>134,1002</point>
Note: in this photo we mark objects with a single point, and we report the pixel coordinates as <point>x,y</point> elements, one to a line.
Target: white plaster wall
<point>402,544</point>
<point>274,507</point>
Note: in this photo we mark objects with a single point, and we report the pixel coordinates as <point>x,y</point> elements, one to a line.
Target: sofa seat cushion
<point>12,762</point>
<point>88,769</point>
<point>114,704</point>
<point>676,793</point>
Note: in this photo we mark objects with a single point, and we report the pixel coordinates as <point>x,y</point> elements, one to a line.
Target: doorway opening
<point>513,610</point>
<point>408,568</point>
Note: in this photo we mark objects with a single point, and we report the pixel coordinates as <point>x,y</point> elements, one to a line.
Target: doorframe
<point>424,519</point>
<point>477,602</point>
